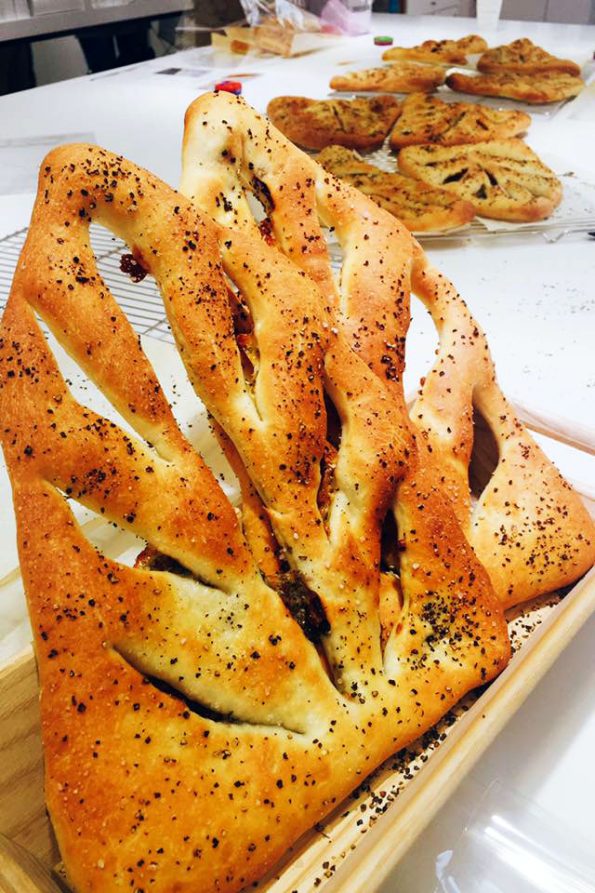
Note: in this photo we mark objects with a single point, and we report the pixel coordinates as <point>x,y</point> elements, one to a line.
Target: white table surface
<point>534,298</point>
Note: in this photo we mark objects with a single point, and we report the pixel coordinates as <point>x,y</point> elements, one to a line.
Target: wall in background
<point>580,12</point>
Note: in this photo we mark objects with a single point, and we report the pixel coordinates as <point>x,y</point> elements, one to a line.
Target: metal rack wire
<point>140,301</point>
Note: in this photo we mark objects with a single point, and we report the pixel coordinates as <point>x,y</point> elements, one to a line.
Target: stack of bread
<point>202,710</point>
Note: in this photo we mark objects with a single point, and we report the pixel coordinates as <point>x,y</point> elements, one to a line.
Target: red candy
<point>229,87</point>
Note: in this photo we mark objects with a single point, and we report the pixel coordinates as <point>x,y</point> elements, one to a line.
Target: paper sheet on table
<point>200,77</point>
<point>20,159</point>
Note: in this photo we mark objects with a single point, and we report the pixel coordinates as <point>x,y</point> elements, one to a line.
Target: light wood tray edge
<point>393,834</point>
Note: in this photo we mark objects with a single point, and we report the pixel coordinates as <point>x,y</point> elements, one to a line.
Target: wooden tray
<point>371,831</point>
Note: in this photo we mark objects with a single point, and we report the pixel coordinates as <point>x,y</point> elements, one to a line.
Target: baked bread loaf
<point>503,179</point>
<point>428,119</point>
<point>446,52</point>
<point>361,123</point>
<point>544,87</point>
<point>524,57</point>
<point>402,77</point>
<point>421,208</point>
<point>192,730</point>
<point>531,542</point>
<point>542,537</point>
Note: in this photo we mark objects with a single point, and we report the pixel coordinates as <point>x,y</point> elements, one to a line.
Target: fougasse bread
<point>526,523</point>
<point>531,528</point>
<point>361,123</point>
<point>400,77</point>
<point>202,711</point>
<point>428,119</point>
<point>538,88</point>
<point>524,57</point>
<point>421,208</point>
<point>194,722</point>
<point>445,52</point>
<point>503,179</point>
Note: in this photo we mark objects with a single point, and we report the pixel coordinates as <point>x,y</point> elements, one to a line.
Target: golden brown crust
<point>447,52</point>
<point>547,516</point>
<point>428,119</point>
<point>542,87</point>
<point>503,179</point>
<point>401,77</point>
<point>361,123</point>
<point>205,785</point>
<point>421,208</point>
<point>529,528</point>
<point>524,57</point>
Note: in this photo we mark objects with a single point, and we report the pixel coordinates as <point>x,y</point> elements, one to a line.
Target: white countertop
<point>534,298</point>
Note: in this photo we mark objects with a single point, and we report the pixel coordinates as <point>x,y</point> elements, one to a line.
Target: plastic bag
<point>335,16</point>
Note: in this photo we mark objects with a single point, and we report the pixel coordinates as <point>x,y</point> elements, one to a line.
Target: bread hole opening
<point>333,423</point>
<point>423,343</point>
<point>151,559</point>
<point>484,455</point>
<point>125,272</point>
<point>303,604</point>
<point>390,545</point>
<point>454,178</point>
<point>391,599</point>
<point>328,463</point>
<point>243,326</point>
<point>106,536</point>
<point>190,705</point>
<point>262,192</point>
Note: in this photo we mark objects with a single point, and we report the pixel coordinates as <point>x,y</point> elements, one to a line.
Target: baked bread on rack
<point>401,77</point>
<point>361,123</point>
<point>503,179</point>
<point>419,207</point>
<point>428,119</point>
<point>542,87</point>
<point>199,713</point>
<point>532,542</point>
<point>528,527</point>
<point>446,52</point>
<point>524,57</point>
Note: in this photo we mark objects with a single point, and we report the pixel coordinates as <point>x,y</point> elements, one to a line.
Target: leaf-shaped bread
<point>361,123</point>
<point>428,119</point>
<point>400,77</point>
<point>447,52</point>
<point>524,57</point>
<point>503,179</point>
<point>541,87</point>
<point>421,208</point>
<point>192,731</point>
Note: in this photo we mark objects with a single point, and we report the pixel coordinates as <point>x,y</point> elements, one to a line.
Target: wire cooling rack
<point>141,301</point>
<point>575,214</point>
